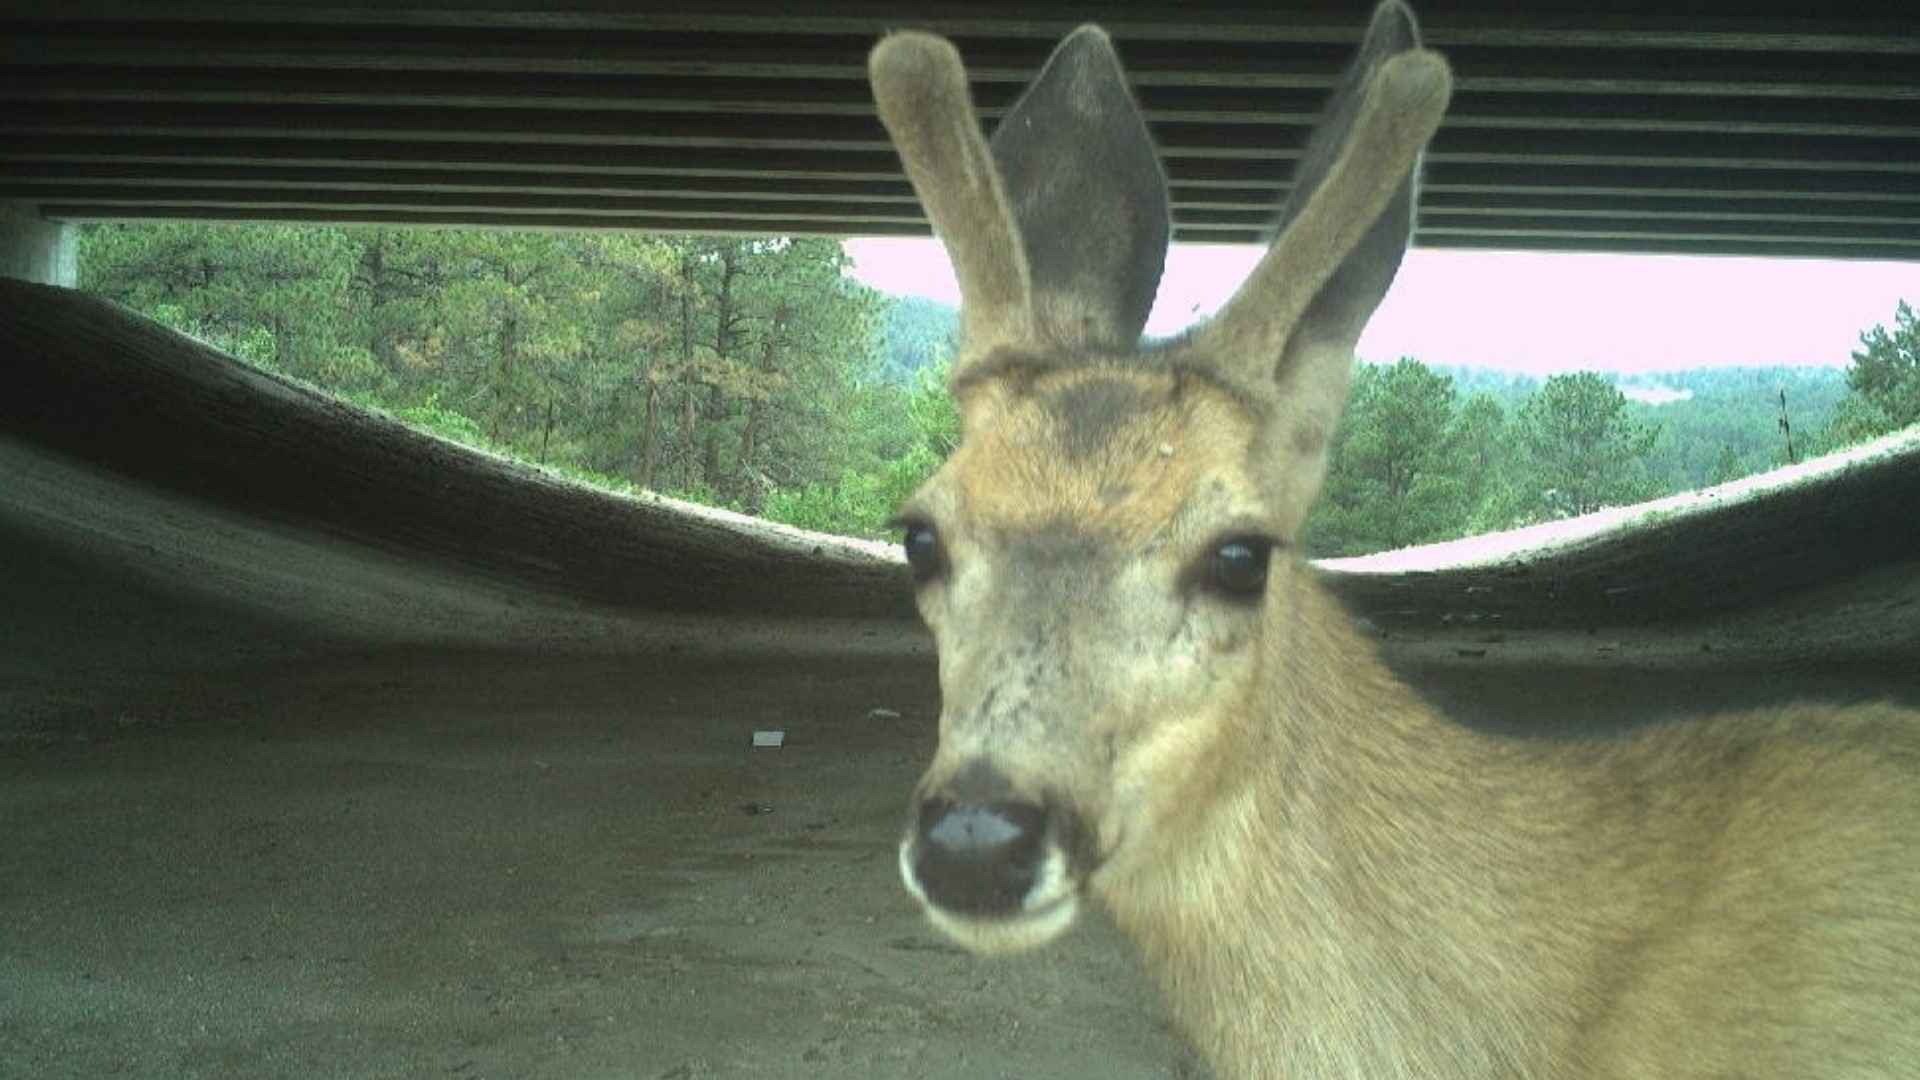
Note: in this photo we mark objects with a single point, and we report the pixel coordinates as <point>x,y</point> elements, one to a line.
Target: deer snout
<point>991,868</point>
<point>978,858</point>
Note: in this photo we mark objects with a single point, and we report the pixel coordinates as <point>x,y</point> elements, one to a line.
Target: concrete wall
<point>32,248</point>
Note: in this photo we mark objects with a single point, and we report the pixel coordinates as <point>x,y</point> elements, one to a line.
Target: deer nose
<point>978,858</point>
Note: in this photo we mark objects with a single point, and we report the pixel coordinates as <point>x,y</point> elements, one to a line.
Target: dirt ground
<point>464,867</point>
<point>473,866</point>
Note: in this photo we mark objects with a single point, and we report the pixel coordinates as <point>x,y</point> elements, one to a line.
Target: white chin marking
<point>1026,930</point>
<point>1048,911</point>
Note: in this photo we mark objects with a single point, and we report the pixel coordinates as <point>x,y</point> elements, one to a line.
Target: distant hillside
<point>1715,423</point>
<point>1728,422</point>
<point>916,334</point>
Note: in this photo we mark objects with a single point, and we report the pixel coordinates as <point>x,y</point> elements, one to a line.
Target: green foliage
<point>1396,481</point>
<point>729,369</point>
<point>1582,449</point>
<point>1885,380</point>
<point>432,416</point>
<point>857,504</point>
<point>862,503</point>
<point>918,335</point>
<point>753,373</point>
<point>1429,454</point>
<point>1414,463</point>
<point>936,420</point>
<point>268,291</point>
<point>1731,422</point>
<point>252,344</point>
<point>1857,420</point>
<point>1726,467</point>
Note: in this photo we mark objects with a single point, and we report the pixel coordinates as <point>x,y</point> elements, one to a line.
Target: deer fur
<point>1150,704</point>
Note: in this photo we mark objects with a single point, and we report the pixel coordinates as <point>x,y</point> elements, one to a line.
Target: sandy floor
<point>461,867</point>
<point>470,866</point>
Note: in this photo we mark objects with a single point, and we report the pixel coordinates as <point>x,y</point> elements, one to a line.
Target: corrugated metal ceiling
<point>1687,125</point>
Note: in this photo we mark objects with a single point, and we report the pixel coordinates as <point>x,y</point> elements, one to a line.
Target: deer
<point>1152,707</point>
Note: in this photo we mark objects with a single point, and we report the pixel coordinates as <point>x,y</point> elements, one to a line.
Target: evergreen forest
<point>755,374</point>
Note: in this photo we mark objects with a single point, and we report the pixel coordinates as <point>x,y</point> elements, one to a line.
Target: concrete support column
<point>35,249</point>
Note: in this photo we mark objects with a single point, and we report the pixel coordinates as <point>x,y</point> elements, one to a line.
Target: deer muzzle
<point>992,872</point>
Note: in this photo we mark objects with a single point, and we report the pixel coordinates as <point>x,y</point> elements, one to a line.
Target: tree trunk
<point>649,439</point>
<point>382,340</point>
<point>725,335</point>
<point>750,432</point>
<point>686,372</point>
<point>506,357</point>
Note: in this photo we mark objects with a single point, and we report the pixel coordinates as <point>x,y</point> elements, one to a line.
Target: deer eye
<point>1238,566</point>
<point>925,555</point>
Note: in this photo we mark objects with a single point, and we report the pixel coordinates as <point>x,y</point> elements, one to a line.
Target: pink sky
<point>1538,313</point>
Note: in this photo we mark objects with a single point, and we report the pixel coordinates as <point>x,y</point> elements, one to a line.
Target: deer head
<point>1106,560</point>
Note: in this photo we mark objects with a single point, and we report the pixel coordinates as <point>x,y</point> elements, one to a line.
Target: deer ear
<point>1084,179</point>
<point>1346,223</point>
<point>1287,337</point>
<point>920,87</point>
<point>1344,304</point>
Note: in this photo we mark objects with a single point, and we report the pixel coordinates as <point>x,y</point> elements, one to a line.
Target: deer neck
<point>1334,900</point>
